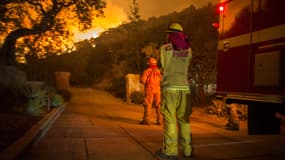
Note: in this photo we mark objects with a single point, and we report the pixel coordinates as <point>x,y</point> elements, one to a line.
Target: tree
<point>125,43</point>
<point>151,50</point>
<point>32,20</point>
<point>134,15</point>
<point>135,18</point>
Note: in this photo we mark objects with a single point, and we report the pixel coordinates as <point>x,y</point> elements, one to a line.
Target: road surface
<point>97,126</point>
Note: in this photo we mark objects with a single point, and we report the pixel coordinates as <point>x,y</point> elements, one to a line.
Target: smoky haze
<point>117,12</point>
<point>155,8</point>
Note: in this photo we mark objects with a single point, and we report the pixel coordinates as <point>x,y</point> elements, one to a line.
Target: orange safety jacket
<point>151,78</point>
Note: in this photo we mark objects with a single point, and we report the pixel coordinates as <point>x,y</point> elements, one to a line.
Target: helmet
<point>152,61</point>
<point>174,27</point>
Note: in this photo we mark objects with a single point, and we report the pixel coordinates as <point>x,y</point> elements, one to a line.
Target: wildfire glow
<point>114,16</point>
<point>92,33</point>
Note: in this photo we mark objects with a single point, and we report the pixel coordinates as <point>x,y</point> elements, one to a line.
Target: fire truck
<point>251,60</point>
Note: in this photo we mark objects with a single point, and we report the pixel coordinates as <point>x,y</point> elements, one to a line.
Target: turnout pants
<point>176,109</point>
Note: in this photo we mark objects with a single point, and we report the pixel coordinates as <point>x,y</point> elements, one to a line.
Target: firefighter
<point>233,120</point>
<point>175,58</point>
<point>151,79</point>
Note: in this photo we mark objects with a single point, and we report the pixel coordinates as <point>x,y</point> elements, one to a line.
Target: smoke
<point>117,12</point>
<point>155,8</point>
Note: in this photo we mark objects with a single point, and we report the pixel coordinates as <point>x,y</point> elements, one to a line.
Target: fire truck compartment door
<point>268,69</point>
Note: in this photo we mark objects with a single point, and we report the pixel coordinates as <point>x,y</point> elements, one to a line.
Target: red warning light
<point>215,25</point>
<point>220,8</point>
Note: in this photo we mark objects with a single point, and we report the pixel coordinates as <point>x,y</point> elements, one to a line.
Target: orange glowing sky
<point>117,11</point>
<point>114,16</point>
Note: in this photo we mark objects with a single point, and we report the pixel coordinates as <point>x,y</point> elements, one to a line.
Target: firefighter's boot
<point>147,115</point>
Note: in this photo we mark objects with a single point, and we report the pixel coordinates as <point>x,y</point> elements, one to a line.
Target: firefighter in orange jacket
<point>151,78</point>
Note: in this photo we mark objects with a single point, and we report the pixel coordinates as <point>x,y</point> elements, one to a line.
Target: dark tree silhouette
<point>19,18</point>
<point>135,18</point>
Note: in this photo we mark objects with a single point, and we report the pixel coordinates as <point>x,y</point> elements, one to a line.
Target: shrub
<point>36,92</point>
<point>56,100</point>
<point>137,97</point>
<point>66,94</point>
<point>35,106</point>
<point>12,100</point>
<point>118,87</point>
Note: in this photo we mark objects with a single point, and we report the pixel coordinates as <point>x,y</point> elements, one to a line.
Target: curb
<point>32,136</point>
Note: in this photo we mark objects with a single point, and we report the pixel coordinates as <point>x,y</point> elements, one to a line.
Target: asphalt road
<point>97,126</point>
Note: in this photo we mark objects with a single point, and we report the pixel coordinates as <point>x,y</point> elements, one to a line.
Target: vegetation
<point>40,27</point>
<point>32,98</point>
<point>103,62</point>
<point>221,109</point>
<point>121,41</point>
<point>12,100</point>
<point>135,19</point>
<point>137,97</point>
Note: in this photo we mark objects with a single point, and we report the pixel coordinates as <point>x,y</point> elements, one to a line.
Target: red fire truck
<point>251,60</point>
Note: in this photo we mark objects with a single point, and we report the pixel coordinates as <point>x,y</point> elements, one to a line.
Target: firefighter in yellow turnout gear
<point>176,108</point>
<point>151,79</point>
